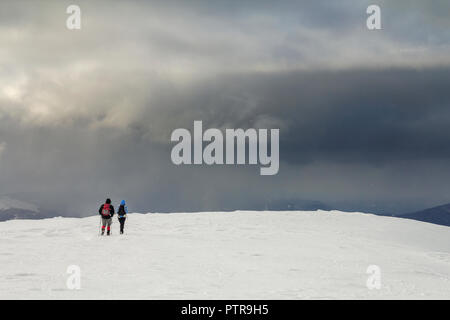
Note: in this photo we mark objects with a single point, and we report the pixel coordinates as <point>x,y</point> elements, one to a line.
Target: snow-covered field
<point>238,255</point>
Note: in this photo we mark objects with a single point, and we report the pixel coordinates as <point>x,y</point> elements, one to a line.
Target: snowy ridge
<point>235,255</point>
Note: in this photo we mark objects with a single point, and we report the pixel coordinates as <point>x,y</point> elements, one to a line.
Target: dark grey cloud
<point>359,135</point>
<point>363,115</point>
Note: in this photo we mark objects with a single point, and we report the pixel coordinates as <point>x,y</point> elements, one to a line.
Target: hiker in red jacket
<point>107,212</point>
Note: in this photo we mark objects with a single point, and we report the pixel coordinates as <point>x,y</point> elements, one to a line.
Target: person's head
<point>108,201</point>
<point>122,203</point>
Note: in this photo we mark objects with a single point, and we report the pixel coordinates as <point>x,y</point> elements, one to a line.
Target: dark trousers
<point>122,224</point>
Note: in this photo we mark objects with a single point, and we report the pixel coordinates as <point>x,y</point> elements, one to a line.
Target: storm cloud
<point>363,115</point>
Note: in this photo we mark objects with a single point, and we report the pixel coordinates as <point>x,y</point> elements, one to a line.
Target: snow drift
<point>226,255</point>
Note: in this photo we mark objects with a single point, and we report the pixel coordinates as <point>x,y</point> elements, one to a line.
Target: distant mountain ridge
<point>10,203</point>
<point>296,204</point>
<point>11,209</point>
<point>437,215</point>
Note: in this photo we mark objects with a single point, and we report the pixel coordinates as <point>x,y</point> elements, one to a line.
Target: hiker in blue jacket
<point>122,214</point>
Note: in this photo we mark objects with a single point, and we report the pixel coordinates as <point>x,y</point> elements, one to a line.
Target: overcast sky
<point>364,116</point>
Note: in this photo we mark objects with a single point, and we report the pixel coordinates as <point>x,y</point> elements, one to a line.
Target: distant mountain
<point>437,215</point>
<point>13,213</point>
<point>10,203</point>
<point>296,204</point>
<point>15,209</point>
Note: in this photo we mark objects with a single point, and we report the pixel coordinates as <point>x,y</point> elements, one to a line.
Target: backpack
<point>122,212</point>
<point>106,211</point>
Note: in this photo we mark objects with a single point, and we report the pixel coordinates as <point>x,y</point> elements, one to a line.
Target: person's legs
<point>109,221</point>
<point>103,225</point>
<point>122,223</point>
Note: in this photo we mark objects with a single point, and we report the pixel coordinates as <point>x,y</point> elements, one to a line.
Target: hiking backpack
<point>106,211</point>
<point>122,212</point>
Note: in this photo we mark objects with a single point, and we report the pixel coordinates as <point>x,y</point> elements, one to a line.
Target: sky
<point>364,115</point>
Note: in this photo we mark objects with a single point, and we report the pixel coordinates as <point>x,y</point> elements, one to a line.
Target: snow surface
<point>226,255</point>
